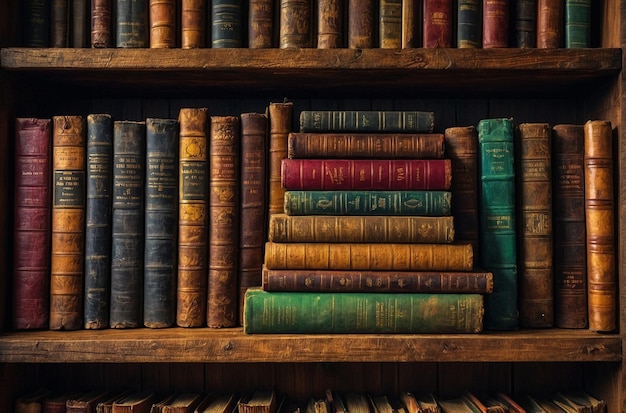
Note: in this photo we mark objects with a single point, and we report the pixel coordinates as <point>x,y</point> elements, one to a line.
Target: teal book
<point>577,23</point>
<point>424,203</point>
<point>361,313</point>
<point>367,121</point>
<point>497,220</point>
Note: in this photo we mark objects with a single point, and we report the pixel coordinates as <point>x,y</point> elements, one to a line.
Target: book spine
<point>330,14</point>
<point>35,16</point>
<point>343,228</point>
<point>577,23</point>
<point>570,258</point>
<point>428,203</point>
<point>31,237</point>
<point>80,23</point>
<point>361,24</point>
<point>161,223</point>
<point>295,24</point>
<point>365,145</point>
<point>260,24</point>
<point>549,23</point>
<point>369,256</point>
<point>59,23</point>
<point>534,230</point>
<point>477,282</point>
<point>98,220</point>
<point>226,23</point>
<point>366,121</point>
<point>332,313</point>
<point>437,27</point>
<point>224,195</point>
<point>101,23</point>
<point>192,218</point>
<point>280,120</point>
<point>411,13</point>
<point>131,23</point>
<point>162,24</point>
<point>526,24</point>
<point>193,24</point>
<point>600,218</point>
<point>253,207</point>
<point>68,223</point>
<point>390,24</point>
<point>497,220</point>
<point>127,226</point>
<point>469,24</point>
<point>366,174</point>
<point>495,23</point>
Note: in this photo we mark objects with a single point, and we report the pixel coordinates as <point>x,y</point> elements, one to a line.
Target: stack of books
<point>366,241</point>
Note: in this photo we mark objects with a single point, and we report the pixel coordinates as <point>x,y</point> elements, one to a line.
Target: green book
<point>497,220</point>
<point>368,313</point>
<point>367,121</point>
<point>426,203</point>
<point>577,23</point>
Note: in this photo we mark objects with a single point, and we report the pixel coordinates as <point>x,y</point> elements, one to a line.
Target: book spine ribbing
<point>131,24</point>
<point>226,23</point>
<point>101,13</point>
<point>366,121</point>
<point>469,24</point>
<point>193,17</point>
<point>295,24</point>
<point>162,18</point>
<point>330,15</point>
<point>577,23</point>
<point>260,24</point>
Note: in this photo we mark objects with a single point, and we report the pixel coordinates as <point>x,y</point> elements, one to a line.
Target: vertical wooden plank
<point>157,377</point>
<point>456,378</point>
<point>546,378</point>
<point>418,378</point>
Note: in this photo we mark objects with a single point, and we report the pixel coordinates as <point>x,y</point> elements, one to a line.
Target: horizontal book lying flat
<point>367,121</point>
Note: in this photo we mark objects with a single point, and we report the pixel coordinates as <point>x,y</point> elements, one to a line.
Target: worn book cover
<point>59,23</point>
<point>330,23</point>
<point>261,24</point>
<point>390,24</point>
<point>132,23</point>
<point>361,24</point>
<point>193,18</point>
<point>437,24</point>
<point>280,124</point>
<point>550,23</point>
<point>469,24</point>
<point>295,24</point>
<point>409,121</point>
<point>577,23</point>
<point>35,21</point>
<point>163,18</point>
<point>101,20</point>
<point>525,23</point>
<point>495,24</point>
<point>226,23</point>
<point>79,23</point>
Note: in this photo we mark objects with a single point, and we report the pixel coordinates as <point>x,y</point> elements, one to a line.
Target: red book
<point>366,174</point>
<point>437,23</point>
<point>495,24</point>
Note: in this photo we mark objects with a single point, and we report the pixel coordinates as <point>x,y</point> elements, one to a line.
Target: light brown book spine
<point>390,24</point>
<point>549,23</point>
<point>361,24</point>
<point>600,217</point>
<point>224,195</point>
<point>162,24</point>
<point>68,222</point>
<point>260,24</point>
<point>295,24</point>
<point>329,24</point>
<point>280,121</point>
<point>495,23</point>
<point>193,27</point>
<point>192,218</point>
<point>101,23</point>
<point>59,23</point>
<point>411,13</point>
<point>534,200</point>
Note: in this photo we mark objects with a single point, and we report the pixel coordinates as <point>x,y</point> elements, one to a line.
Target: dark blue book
<point>132,24</point>
<point>226,23</point>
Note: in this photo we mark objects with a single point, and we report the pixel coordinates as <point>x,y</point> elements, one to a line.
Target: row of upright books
<point>300,24</point>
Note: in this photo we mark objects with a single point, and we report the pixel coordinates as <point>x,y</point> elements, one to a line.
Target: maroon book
<point>495,24</point>
<point>437,23</point>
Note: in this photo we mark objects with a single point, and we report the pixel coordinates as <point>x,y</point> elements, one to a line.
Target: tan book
<point>86,402</point>
<point>410,26</point>
<point>280,124</point>
<point>217,403</point>
<point>390,24</point>
<point>295,24</point>
<point>163,27</point>
<point>193,20</point>
<point>31,402</point>
<point>260,401</point>
<point>134,403</point>
<point>330,18</point>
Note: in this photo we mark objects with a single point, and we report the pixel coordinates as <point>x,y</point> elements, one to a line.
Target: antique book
<point>131,23</point>
<point>366,174</point>
<point>127,226</point>
<point>161,223</point>
<point>260,24</point>
<point>366,121</point>
<point>474,281</point>
<point>424,202</point>
<point>357,402</point>
<point>98,220</point>
<point>193,217</point>
<point>80,23</point>
<point>509,402</point>
<point>226,23</point>
<point>580,401</point>
<point>362,228</point>
<point>86,402</point>
<point>419,403</point>
<point>390,24</point>
<point>497,220</point>
<point>224,196</point>
<point>253,203</point>
<point>549,23</point>
<point>349,313</point>
<point>526,24</point>
<point>459,404</point>
<point>368,256</point>
<point>577,23</point>
<point>469,24</point>
<point>106,406</point>
<point>68,222</point>
<point>533,159</point>
<point>56,402</point>
<point>59,23</point>
<point>259,401</point>
<point>193,17</point>
<point>365,145</point>
<point>600,219</point>
<point>437,24</point>
<point>101,14</point>
<point>280,124</point>
<point>32,226</point>
<point>495,24</point>
<point>361,22</point>
<point>140,402</point>
<point>411,24</point>
<point>182,403</point>
<point>35,21</point>
<point>295,24</point>
<point>330,24</point>
<point>163,24</point>
<point>161,401</point>
<point>217,403</point>
<point>568,220</point>
<point>31,402</point>
<point>461,147</point>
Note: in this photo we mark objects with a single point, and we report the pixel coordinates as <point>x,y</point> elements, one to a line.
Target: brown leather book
<point>31,402</point>
<point>68,222</point>
<point>568,219</point>
<point>56,403</point>
<point>260,24</point>
<point>79,23</point>
<point>59,23</point>
<point>495,23</point>
<point>86,402</point>
<point>101,23</point>
<point>193,18</point>
<point>361,24</point>
<point>534,209</point>
<point>134,403</point>
<point>330,18</point>
<point>390,24</point>
<point>280,123</point>
<point>192,217</point>
<point>437,27</point>
<point>163,24</point>
<point>525,23</point>
<point>295,24</point>
<point>224,195</point>
<point>31,236</point>
<point>411,24</point>
<point>549,23</point>
<point>600,218</point>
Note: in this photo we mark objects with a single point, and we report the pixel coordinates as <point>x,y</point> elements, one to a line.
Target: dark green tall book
<point>226,23</point>
<point>131,24</point>
<point>497,220</point>
<point>35,19</point>
<point>577,23</point>
<point>366,121</point>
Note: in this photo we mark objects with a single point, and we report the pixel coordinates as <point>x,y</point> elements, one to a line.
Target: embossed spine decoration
<point>163,24</point>
<point>260,24</point>
<point>280,119</point>
<point>226,24</point>
<point>295,24</point>
<point>329,24</point>
<point>101,23</point>
<point>193,24</point>
<point>132,21</point>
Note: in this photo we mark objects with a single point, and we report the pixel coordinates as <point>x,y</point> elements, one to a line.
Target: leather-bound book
<point>330,23</point>
<point>132,23</point>
<point>295,24</point>
<point>101,14</point>
<point>224,196</point>
<point>193,216</point>
<point>469,24</point>
<point>438,20</point>
<point>497,227</point>
<point>163,24</point>
<point>600,219</point>
<point>218,403</point>
<point>399,121</point>
<point>550,23</point>
<point>182,403</point>
<point>226,23</point>
<point>140,402</point>
<point>461,147</point>
<point>193,19</point>
<point>80,23</point>
<point>577,23</point>
<point>59,23</point>
<point>253,205</point>
<point>260,24</point>
<point>411,24</point>
<point>361,18</point>
<point>98,220</point>
<point>86,402</point>
<point>390,24</point>
<point>280,120</point>
<point>31,236</point>
<point>495,24</point>
<point>526,24</point>
<point>161,223</point>
<point>55,403</point>
<point>68,222</point>
<point>568,219</point>
<point>35,19</point>
<point>534,230</point>
<point>31,402</point>
<point>127,227</point>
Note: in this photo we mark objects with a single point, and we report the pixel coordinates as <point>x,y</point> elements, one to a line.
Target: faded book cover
<point>577,23</point>
<point>550,24</point>
<point>406,121</point>
<point>295,24</point>
<point>59,23</point>
<point>226,23</point>
<point>132,23</point>
<point>261,24</point>
<point>526,24</point>
<point>330,24</point>
<point>361,18</point>
<point>390,24</point>
<point>101,20</point>
<point>495,24</point>
<point>280,124</point>
<point>469,24</point>
<point>193,18</point>
<point>35,22</point>
<point>437,24</point>
<point>163,24</point>
<point>80,23</point>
